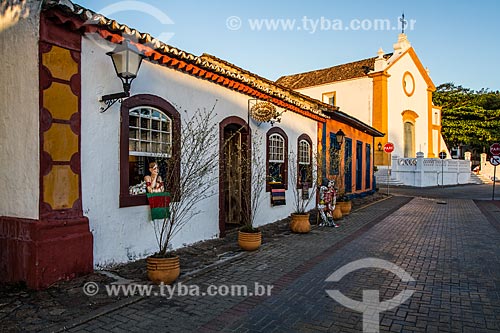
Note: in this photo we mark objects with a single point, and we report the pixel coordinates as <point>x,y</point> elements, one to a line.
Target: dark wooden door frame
<point>233,120</point>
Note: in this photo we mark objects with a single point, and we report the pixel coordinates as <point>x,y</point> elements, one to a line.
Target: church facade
<point>391,92</point>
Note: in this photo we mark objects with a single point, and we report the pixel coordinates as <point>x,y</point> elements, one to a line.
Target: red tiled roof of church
<point>317,77</point>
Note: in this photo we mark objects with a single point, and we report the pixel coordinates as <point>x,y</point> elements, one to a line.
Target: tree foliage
<point>469,117</point>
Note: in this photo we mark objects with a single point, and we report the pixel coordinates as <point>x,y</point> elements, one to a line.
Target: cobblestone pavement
<point>450,249</point>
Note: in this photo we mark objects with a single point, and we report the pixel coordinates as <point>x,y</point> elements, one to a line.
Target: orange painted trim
<point>409,115</point>
<point>409,94</point>
<point>420,67</point>
<point>332,126</point>
<point>430,145</point>
<point>380,113</point>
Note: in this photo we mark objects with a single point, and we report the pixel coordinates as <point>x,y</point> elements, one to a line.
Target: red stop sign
<point>389,147</point>
<point>495,149</point>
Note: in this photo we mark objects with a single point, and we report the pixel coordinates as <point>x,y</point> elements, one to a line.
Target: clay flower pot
<point>337,213</point>
<point>300,223</point>
<point>164,270</point>
<point>345,207</point>
<point>249,241</point>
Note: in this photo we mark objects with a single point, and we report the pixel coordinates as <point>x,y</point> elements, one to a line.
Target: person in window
<point>154,182</point>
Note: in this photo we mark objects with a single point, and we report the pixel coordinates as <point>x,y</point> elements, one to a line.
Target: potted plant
<point>303,183</point>
<point>343,204</point>
<point>189,178</point>
<point>250,237</point>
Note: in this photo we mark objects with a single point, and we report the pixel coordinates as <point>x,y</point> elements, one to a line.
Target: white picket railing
<point>423,172</point>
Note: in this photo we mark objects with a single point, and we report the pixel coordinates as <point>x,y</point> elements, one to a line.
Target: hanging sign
<point>263,111</point>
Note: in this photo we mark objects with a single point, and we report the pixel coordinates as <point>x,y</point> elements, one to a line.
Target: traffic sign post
<point>494,181</point>
<point>494,160</point>
<point>388,148</point>
<point>442,156</point>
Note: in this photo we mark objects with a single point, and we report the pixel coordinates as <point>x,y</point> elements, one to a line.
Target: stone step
<point>383,180</point>
<point>485,179</point>
<point>475,179</point>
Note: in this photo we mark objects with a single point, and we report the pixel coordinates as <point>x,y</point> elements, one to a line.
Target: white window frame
<point>304,152</point>
<point>147,114</point>
<point>276,148</point>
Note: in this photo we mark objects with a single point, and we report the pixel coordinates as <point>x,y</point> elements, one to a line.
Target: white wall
<point>399,102</point>
<point>294,125</point>
<point>19,120</point>
<point>354,97</point>
<point>123,234</point>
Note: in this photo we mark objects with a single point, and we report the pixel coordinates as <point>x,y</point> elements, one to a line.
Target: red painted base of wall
<point>43,252</point>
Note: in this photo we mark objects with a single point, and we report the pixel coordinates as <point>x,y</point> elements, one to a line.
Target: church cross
<point>403,23</point>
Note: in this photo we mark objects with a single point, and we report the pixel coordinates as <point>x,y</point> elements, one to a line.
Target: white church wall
<point>399,102</point>
<point>436,141</point>
<point>123,234</point>
<point>354,97</point>
<point>19,123</point>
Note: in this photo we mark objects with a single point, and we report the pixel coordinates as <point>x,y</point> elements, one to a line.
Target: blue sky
<point>457,40</point>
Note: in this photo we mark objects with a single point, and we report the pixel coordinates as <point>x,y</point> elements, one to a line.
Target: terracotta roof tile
<point>342,72</point>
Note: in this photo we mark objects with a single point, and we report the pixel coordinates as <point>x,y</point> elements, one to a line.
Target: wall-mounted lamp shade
<point>340,137</point>
<point>379,146</point>
<point>127,61</point>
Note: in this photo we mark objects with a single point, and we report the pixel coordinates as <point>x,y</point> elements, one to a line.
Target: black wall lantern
<point>340,137</point>
<point>379,146</point>
<point>127,60</point>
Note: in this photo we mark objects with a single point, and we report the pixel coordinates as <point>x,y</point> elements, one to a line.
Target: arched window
<point>277,157</point>
<point>409,139</point>
<point>304,161</point>
<point>150,132</point>
<point>304,152</point>
<point>409,121</point>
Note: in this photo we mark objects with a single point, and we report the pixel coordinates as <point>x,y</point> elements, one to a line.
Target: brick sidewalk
<point>276,263</point>
<point>450,249</point>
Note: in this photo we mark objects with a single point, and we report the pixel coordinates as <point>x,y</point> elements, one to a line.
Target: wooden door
<point>233,177</point>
